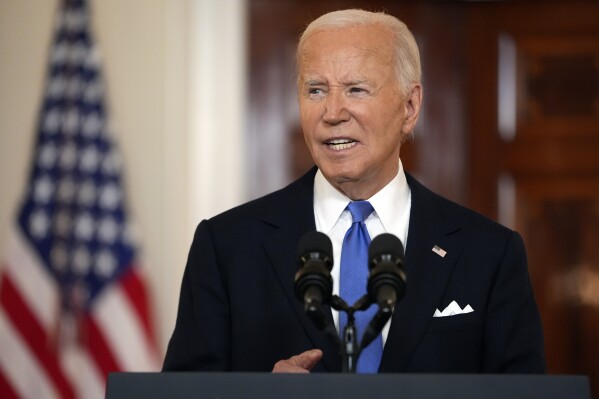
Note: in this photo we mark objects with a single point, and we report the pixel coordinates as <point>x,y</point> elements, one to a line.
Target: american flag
<point>73,306</point>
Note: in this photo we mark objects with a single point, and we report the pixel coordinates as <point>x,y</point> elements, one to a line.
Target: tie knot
<point>360,210</point>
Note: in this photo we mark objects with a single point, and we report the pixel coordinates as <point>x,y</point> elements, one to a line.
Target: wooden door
<point>534,133</point>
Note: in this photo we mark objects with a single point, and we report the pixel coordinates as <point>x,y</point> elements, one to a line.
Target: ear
<point>412,107</point>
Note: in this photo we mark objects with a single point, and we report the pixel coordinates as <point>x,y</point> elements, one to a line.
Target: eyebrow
<point>314,82</point>
<point>355,82</point>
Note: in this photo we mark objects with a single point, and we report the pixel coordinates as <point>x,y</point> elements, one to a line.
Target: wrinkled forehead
<point>359,40</point>
<point>346,54</point>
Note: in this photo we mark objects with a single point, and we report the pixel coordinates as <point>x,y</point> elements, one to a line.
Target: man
<point>359,94</point>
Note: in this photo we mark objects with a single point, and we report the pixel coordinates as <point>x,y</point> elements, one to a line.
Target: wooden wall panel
<point>549,150</point>
<point>560,220</point>
<point>559,82</point>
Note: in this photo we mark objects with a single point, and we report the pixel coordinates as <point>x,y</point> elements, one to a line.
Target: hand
<point>301,363</point>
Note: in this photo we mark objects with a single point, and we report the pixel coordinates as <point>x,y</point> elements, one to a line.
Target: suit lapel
<point>289,224</point>
<point>427,274</point>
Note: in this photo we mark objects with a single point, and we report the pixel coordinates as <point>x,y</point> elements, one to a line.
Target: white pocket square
<point>453,309</point>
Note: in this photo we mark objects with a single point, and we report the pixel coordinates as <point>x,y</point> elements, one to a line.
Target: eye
<point>356,90</point>
<point>316,93</point>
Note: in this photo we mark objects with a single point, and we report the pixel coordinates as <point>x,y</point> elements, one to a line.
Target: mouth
<point>340,144</point>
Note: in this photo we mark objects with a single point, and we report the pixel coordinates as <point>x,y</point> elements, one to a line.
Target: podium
<point>343,386</point>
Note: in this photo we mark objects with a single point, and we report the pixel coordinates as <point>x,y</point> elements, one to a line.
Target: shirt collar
<point>390,201</point>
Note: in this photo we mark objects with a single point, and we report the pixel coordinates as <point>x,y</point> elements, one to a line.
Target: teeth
<point>340,141</point>
<point>341,144</point>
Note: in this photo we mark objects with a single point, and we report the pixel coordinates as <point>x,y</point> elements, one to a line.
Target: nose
<point>335,110</point>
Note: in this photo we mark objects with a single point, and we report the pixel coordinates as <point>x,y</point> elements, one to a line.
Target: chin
<point>340,175</point>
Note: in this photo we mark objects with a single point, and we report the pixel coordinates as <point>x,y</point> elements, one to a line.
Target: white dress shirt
<point>391,215</point>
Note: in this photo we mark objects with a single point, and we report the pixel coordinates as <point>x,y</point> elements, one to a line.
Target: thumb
<point>308,359</point>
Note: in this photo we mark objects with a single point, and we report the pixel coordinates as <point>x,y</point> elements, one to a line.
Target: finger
<point>308,359</point>
<point>301,363</point>
<point>288,366</point>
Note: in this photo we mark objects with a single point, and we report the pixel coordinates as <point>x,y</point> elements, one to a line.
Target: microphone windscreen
<point>386,244</point>
<point>315,241</point>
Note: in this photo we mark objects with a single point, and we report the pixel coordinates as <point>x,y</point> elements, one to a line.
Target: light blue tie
<point>352,282</point>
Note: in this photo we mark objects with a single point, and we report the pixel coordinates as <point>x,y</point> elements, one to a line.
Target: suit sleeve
<point>201,339</point>
<point>513,331</point>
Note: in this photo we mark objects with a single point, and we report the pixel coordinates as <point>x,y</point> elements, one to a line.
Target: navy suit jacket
<point>238,310</point>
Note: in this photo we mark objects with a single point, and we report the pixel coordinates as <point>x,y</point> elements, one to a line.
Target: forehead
<point>362,43</point>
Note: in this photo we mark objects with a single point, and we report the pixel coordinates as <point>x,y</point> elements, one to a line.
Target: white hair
<point>407,56</point>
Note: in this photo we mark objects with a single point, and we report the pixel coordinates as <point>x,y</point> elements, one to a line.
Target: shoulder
<point>236,235</point>
<point>294,199</point>
<point>428,206</point>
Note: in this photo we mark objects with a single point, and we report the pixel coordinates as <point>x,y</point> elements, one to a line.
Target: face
<point>353,112</point>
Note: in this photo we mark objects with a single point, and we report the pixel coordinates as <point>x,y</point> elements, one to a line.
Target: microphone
<point>387,278</point>
<point>313,281</point>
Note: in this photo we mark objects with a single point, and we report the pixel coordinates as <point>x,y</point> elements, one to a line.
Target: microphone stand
<point>349,347</point>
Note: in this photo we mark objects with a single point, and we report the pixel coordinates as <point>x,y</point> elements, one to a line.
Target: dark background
<point>530,161</point>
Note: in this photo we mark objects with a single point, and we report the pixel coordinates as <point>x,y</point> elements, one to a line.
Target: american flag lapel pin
<point>439,251</point>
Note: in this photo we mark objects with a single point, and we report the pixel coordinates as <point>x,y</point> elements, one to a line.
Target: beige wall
<point>157,57</point>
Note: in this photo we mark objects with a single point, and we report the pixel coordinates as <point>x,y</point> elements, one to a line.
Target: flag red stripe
<point>34,335</point>
<point>98,347</point>
<point>6,391</point>
<point>135,290</point>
